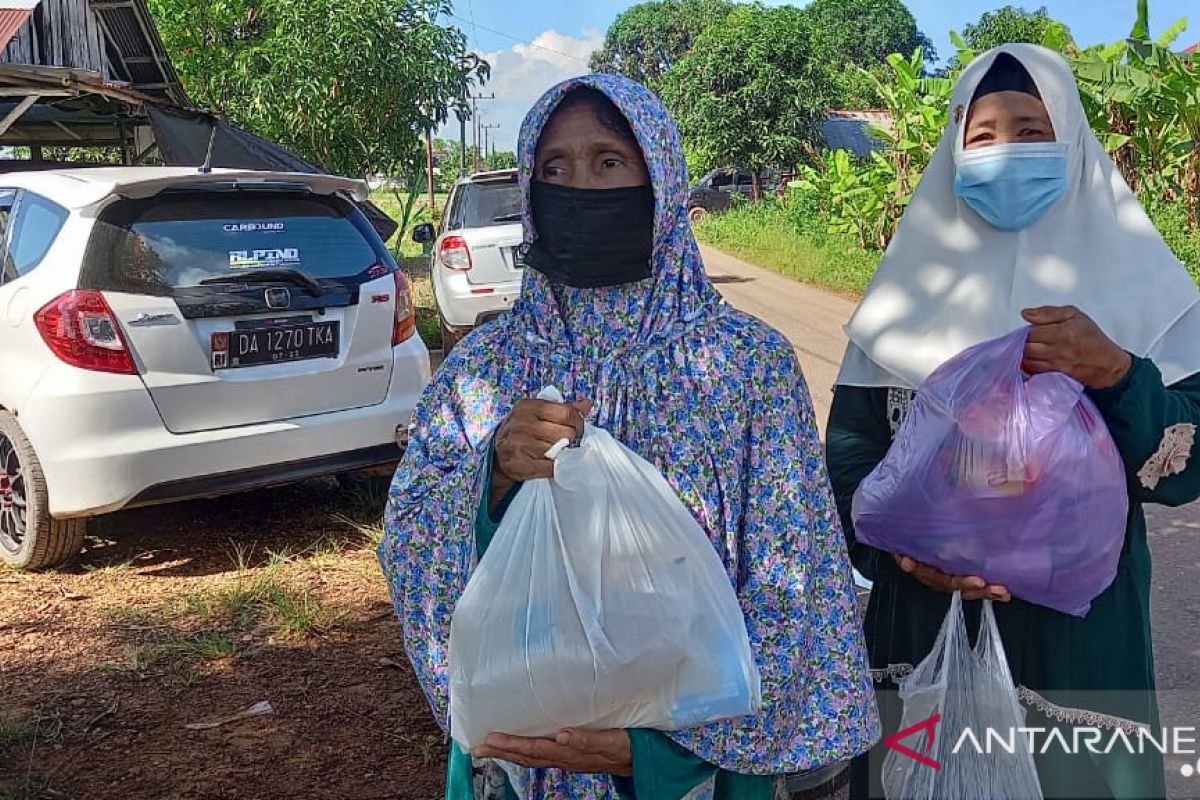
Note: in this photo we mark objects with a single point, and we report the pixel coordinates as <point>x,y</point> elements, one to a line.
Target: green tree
<point>1011,24</point>
<point>502,159</point>
<point>646,40</point>
<point>751,92</point>
<point>862,33</point>
<point>1144,100</point>
<point>867,197</point>
<point>349,84</point>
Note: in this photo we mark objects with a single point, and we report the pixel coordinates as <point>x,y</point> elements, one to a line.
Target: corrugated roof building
<point>849,129</point>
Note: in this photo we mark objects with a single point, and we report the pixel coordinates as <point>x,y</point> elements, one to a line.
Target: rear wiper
<point>312,286</point>
<point>508,218</point>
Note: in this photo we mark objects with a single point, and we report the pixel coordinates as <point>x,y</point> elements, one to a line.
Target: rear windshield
<point>184,239</point>
<point>478,205</point>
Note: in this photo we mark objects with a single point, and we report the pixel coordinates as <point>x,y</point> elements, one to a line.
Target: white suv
<point>172,334</point>
<point>475,266</point>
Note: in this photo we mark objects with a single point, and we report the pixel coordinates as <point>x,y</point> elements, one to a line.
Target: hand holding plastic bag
<point>960,689</point>
<point>600,603</point>
<point>1012,479</point>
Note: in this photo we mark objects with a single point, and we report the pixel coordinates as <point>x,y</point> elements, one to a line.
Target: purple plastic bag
<point>1013,479</point>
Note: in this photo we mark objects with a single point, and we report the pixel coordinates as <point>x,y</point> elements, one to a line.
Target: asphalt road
<point>812,320</point>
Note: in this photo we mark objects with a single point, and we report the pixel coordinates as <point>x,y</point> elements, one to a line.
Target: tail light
<point>406,320</point>
<point>81,329</point>
<point>454,253</point>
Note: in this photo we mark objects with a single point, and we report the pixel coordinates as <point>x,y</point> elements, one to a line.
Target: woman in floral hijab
<point>617,312</point>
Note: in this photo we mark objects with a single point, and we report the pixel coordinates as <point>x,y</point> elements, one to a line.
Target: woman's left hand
<point>1066,340</point>
<point>591,752</point>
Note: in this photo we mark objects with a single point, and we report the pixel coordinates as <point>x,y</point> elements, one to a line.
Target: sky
<point>533,44</point>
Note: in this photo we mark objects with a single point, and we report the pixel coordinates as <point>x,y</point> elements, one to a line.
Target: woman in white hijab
<point>1022,218</point>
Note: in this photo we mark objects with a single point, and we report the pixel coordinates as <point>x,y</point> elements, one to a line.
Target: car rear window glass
<point>181,239</point>
<point>478,205</point>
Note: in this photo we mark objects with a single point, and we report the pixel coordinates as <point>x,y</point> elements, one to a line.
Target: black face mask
<point>589,238</point>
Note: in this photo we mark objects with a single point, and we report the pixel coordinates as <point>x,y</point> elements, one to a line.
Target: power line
<point>517,39</point>
<point>474,27</point>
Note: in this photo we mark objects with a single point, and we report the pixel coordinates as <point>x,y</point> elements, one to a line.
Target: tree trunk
<point>756,186</point>
<point>1125,156</point>
<point>1192,184</point>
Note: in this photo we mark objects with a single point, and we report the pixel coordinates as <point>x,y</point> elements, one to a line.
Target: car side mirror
<point>424,233</point>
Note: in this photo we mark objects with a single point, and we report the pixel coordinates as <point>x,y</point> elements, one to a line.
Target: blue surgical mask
<point>1012,185</point>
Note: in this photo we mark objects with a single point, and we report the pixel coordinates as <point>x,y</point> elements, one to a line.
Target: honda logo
<point>279,298</point>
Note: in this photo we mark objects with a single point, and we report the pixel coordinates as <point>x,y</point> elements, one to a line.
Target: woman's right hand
<point>971,586</point>
<point>533,427</point>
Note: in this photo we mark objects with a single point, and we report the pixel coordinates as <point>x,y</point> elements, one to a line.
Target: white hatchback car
<point>174,334</point>
<point>475,266</point>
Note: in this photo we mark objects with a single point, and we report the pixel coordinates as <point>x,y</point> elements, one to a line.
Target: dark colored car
<point>716,190</point>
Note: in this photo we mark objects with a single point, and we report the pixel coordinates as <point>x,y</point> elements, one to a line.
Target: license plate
<point>274,345</point>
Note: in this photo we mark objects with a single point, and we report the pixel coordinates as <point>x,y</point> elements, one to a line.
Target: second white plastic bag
<point>599,603</point>
<point>956,691</point>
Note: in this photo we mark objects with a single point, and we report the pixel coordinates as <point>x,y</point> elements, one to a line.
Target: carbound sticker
<point>255,227</point>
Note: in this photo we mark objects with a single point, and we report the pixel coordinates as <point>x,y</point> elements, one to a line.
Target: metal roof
<point>11,20</point>
<point>116,39</point>
<point>851,130</point>
<point>136,53</point>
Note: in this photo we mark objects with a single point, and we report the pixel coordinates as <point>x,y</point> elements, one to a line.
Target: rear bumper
<point>103,446</point>
<point>460,304</point>
<point>261,477</point>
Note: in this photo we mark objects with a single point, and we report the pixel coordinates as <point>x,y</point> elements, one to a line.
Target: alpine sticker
<point>267,257</point>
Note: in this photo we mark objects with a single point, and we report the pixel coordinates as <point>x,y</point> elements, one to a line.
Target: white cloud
<point>521,74</point>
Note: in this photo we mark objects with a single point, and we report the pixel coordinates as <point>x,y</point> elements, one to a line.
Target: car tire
<point>450,337</point>
<point>697,214</point>
<point>29,537</point>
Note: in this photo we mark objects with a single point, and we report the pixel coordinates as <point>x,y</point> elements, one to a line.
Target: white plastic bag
<point>969,689</point>
<point>600,603</point>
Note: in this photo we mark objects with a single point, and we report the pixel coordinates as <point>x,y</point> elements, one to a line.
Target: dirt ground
<point>193,613</point>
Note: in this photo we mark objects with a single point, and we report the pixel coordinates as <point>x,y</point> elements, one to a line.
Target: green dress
<point>1095,671</point>
<point>662,770</point>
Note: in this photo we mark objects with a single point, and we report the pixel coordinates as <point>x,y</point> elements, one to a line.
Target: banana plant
<point>1138,93</point>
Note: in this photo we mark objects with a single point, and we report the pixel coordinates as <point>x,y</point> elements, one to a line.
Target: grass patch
<point>367,500</point>
<point>769,235</point>
<point>32,789</point>
<point>401,242</point>
<point>206,647</point>
<point>428,325</point>
<point>16,731</point>
<point>206,625</point>
<point>793,242</point>
<point>141,659</point>
<point>262,596</point>
<point>1171,221</point>
<point>109,569</point>
<point>371,532</point>
<point>365,497</point>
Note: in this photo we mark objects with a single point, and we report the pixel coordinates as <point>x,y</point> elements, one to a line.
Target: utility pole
<point>429,164</point>
<point>475,98</point>
<point>489,126</point>
<point>462,112</point>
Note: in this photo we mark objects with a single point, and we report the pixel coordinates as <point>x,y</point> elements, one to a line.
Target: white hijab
<point>950,280</point>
